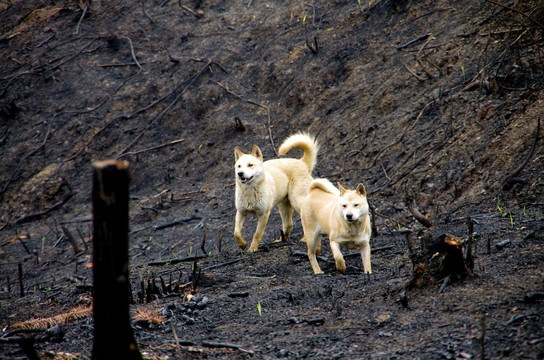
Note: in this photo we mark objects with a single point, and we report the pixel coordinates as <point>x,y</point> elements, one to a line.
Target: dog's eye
<point>249,165</point>
<point>355,205</point>
<point>344,206</point>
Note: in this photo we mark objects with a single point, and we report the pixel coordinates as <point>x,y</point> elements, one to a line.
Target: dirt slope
<point>437,101</point>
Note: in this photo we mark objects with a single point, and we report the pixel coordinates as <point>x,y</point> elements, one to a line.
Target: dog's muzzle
<point>350,218</point>
<point>244,179</point>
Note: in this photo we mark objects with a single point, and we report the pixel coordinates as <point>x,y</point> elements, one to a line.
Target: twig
<point>81,18</point>
<point>120,64</point>
<point>176,222</point>
<point>256,104</point>
<point>422,37</point>
<point>21,285</point>
<point>151,148</point>
<point>413,73</point>
<point>203,245</point>
<point>444,284</point>
<point>412,207</point>
<point>133,54</point>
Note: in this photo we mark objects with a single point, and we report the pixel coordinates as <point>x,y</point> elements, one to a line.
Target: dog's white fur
<point>341,214</point>
<point>260,186</point>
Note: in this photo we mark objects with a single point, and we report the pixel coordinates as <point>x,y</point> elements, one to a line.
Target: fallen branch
<point>422,37</point>
<point>177,261</point>
<point>175,222</point>
<point>152,148</point>
<point>412,207</point>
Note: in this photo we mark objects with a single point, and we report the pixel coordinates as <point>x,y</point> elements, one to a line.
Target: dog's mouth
<point>244,179</point>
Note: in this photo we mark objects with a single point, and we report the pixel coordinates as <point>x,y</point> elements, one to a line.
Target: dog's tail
<point>325,185</point>
<point>306,142</point>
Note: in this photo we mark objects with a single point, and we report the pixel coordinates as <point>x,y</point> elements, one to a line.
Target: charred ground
<point>437,101</point>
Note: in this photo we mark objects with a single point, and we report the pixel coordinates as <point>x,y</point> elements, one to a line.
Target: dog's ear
<point>361,189</point>
<point>237,153</point>
<point>257,152</point>
<point>342,190</point>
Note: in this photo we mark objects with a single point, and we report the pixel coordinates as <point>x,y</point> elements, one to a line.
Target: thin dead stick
<point>519,12</point>
<point>133,54</point>
<point>256,104</point>
<point>413,73</point>
<point>151,148</point>
<point>81,18</point>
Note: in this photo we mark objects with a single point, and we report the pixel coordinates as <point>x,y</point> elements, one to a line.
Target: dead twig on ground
<point>133,53</point>
<point>413,73</point>
<point>411,42</point>
<point>412,207</point>
<point>81,18</point>
<point>173,142</point>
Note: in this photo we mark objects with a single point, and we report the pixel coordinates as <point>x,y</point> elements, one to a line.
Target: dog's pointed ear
<point>342,190</point>
<point>257,152</point>
<point>237,153</point>
<point>361,189</point>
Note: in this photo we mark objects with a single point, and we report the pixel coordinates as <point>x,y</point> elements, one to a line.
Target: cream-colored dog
<point>260,186</point>
<point>341,214</point>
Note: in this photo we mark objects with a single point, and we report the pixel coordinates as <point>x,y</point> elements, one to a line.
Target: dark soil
<point>437,101</point>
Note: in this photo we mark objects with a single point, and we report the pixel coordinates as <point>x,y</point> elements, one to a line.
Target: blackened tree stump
<point>113,333</point>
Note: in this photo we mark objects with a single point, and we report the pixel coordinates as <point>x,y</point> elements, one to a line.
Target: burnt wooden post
<point>113,333</point>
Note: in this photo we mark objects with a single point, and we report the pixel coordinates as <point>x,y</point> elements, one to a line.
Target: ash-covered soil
<point>436,101</point>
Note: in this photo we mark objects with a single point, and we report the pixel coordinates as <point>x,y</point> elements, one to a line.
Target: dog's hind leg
<point>238,225</point>
<point>338,258</point>
<point>261,224</point>
<point>286,213</point>
<point>365,256</point>
<point>312,241</point>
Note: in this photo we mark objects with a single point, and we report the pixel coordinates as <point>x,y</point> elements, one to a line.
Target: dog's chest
<point>352,236</point>
<point>251,199</point>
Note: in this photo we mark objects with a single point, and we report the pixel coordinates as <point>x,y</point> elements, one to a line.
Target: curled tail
<point>304,141</point>
<point>325,185</point>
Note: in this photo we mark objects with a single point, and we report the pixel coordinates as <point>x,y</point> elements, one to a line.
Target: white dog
<point>260,186</point>
<point>341,214</point>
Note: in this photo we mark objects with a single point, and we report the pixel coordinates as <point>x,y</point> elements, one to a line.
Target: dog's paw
<point>318,272</point>
<point>252,249</point>
<point>341,266</point>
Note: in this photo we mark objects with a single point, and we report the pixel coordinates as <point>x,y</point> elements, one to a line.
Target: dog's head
<point>248,167</point>
<point>353,203</point>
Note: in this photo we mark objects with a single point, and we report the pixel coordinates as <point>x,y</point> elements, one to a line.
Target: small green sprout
<point>259,308</point>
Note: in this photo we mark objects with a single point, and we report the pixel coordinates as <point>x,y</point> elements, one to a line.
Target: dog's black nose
<point>241,174</point>
<point>349,216</point>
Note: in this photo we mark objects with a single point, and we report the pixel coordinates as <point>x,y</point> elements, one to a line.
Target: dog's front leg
<point>261,224</point>
<point>338,258</point>
<point>238,225</point>
<point>365,257</point>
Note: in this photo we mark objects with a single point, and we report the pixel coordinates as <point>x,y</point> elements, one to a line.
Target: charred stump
<point>444,258</point>
<point>113,334</point>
